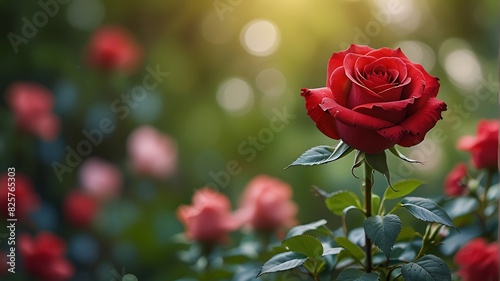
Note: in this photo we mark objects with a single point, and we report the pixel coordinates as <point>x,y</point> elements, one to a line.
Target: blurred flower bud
<point>152,153</point>
<point>32,105</point>
<point>484,146</point>
<point>112,48</point>
<point>80,208</point>
<point>100,178</point>
<point>208,219</point>
<point>43,257</point>
<point>27,199</point>
<point>267,204</point>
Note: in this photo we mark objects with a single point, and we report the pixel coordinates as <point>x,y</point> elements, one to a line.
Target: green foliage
<point>352,274</point>
<point>340,200</point>
<point>301,229</point>
<point>426,210</point>
<point>427,268</point>
<point>402,188</point>
<point>283,261</point>
<point>322,154</point>
<point>304,244</point>
<point>378,162</point>
<point>383,231</point>
<point>352,249</point>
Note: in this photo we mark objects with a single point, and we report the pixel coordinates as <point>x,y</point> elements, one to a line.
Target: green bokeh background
<point>136,230</point>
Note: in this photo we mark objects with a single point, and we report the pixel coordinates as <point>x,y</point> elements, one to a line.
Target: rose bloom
<point>267,204</point>
<point>374,99</point>
<point>152,153</point>
<point>454,184</point>
<point>112,48</point>
<point>80,208</point>
<point>43,257</point>
<point>32,105</point>
<point>27,199</point>
<point>478,261</point>
<point>208,219</point>
<point>100,178</point>
<point>483,146</point>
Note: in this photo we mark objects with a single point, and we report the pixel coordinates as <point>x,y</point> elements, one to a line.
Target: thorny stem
<point>368,212</point>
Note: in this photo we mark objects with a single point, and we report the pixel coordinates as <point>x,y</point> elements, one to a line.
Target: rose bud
<point>208,219</point>
<point>267,204</point>
<point>455,182</point>
<point>80,208</point>
<point>27,199</point>
<point>112,48</point>
<point>483,146</point>
<point>478,260</point>
<point>152,153</point>
<point>43,257</point>
<point>375,99</point>
<point>32,105</point>
<point>100,178</point>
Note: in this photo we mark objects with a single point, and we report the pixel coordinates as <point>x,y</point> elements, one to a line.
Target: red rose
<point>478,261</point>
<point>209,219</point>
<point>112,48</point>
<point>484,146</point>
<point>80,208</point>
<point>454,184</point>
<point>43,257</point>
<point>27,199</point>
<point>267,204</point>
<point>375,99</point>
<point>32,105</point>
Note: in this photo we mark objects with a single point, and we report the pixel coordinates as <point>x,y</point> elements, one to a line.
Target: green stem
<point>368,212</point>
<point>483,201</point>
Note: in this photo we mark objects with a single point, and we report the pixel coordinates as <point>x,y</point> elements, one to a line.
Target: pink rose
<point>375,99</point>
<point>484,146</point>
<point>43,257</point>
<point>478,261</point>
<point>80,208</point>
<point>100,178</point>
<point>455,183</point>
<point>152,153</point>
<point>267,204</point>
<point>208,219</point>
<point>112,48</point>
<point>32,105</point>
<point>27,199</point>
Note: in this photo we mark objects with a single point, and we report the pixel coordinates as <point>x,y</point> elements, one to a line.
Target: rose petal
<point>466,143</point>
<point>394,112</point>
<point>365,140</point>
<point>337,59</point>
<point>353,118</point>
<point>324,121</point>
<point>361,95</point>
<point>418,124</point>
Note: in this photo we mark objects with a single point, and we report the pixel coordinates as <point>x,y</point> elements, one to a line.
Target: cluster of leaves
<point>400,250</point>
<point>474,213</point>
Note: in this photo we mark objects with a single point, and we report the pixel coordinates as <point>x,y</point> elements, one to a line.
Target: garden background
<point>226,71</point>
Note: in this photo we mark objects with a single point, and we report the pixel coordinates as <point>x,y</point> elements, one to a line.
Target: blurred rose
<point>152,153</point>
<point>100,178</point>
<point>32,105</point>
<point>484,146</point>
<point>455,183</point>
<point>112,48</point>
<point>209,219</point>
<point>80,208</point>
<point>478,261</point>
<point>27,199</point>
<point>267,204</point>
<point>43,257</point>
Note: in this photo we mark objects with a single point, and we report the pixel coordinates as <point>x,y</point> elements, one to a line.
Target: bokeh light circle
<point>85,14</point>
<point>271,82</point>
<point>260,37</point>
<point>235,96</point>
